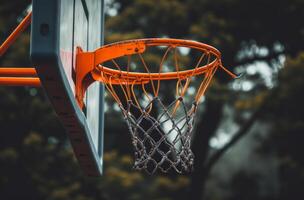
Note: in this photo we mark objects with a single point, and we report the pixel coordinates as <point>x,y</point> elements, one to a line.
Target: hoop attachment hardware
<point>86,62</point>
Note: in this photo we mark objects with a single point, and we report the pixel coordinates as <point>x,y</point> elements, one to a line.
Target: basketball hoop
<point>160,121</point>
<point>158,95</point>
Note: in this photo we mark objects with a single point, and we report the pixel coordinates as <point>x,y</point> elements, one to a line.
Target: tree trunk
<point>206,128</point>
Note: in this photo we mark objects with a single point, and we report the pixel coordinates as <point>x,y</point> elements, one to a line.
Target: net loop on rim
<point>159,102</point>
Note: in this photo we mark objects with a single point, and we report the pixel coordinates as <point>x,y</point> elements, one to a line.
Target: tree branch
<point>244,129</point>
<point>270,56</point>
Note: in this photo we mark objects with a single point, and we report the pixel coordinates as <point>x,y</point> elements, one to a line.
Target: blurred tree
<point>244,186</point>
<point>36,160</point>
<point>240,29</point>
<point>287,134</point>
<point>35,157</point>
<point>23,112</point>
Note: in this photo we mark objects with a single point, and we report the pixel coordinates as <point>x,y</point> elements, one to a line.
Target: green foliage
<point>285,113</point>
<point>120,181</point>
<point>37,161</point>
<point>53,173</point>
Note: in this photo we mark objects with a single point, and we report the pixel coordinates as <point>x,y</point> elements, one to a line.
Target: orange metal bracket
<point>20,81</point>
<point>86,62</point>
<point>12,76</point>
<point>14,71</point>
<point>19,77</point>
<point>88,67</point>
<point>15,34</point>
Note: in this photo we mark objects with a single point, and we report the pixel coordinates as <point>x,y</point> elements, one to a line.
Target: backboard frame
<point>45,55</point>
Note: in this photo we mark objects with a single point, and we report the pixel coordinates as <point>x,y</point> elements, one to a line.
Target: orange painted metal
<point>14,35</point>
<point>89,66</point>
<point>86,62</point>
<point>130,47</point>
<point>20,81</point>
<point>16,72</point>
<point>19,77</point>
<point>13,76</point>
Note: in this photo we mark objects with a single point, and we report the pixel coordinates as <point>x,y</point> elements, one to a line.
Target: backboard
<point>58,27</point>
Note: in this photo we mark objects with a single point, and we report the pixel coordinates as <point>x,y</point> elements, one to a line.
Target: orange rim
<point>102,73</point>
<point>90,67</point>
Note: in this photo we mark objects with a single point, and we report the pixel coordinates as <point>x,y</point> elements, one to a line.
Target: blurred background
<point>249,133</point>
